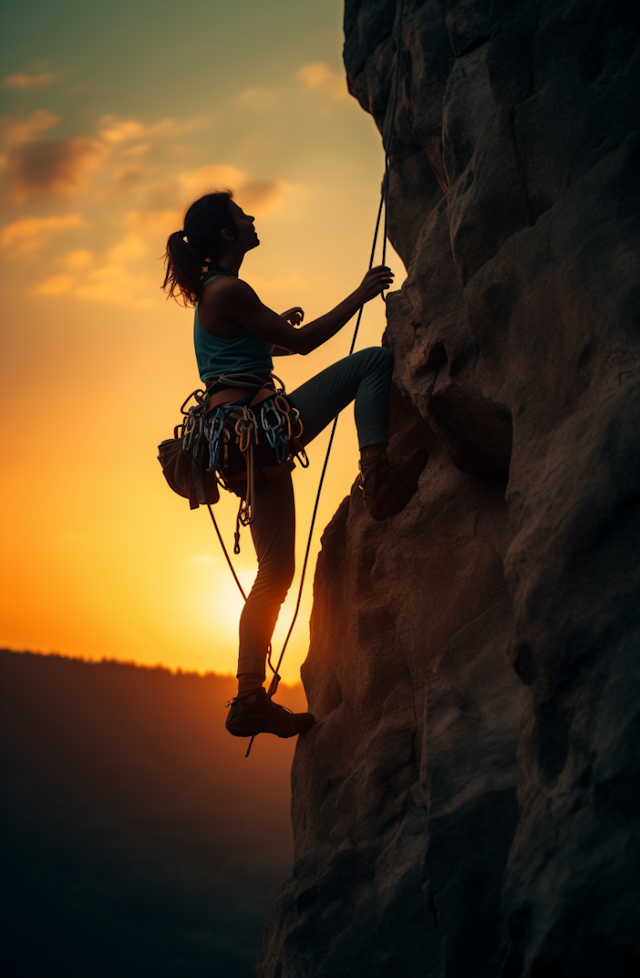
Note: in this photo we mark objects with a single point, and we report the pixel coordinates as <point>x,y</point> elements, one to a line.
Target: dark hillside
<point>138,841</point>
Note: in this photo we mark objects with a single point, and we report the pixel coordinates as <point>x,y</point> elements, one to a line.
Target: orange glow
<point>99,557</point>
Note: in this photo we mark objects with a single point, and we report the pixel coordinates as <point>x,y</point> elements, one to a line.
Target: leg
<point>273,532</point>
<point>364,377</point>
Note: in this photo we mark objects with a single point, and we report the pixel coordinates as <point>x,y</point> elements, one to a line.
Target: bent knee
<point>380,356</point>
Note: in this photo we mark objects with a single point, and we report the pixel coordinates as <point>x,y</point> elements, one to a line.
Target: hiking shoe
<point>388,486</point>
<point>256,713</point>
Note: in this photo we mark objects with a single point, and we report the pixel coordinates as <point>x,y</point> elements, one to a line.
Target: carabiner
<point>198,395</point>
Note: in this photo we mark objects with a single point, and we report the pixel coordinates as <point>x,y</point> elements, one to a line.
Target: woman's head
<point>213,226</point>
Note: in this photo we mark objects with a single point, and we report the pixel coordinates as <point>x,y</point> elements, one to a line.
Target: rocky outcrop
<point>467,804</point>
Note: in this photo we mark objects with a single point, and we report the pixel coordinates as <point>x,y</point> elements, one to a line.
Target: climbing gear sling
<point>248,430</point>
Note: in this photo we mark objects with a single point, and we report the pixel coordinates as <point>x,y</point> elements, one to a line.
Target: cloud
<point>132,246</point>
<point>51,168</point>
<point>30,233</point>
<point>78,260</point>
<point>211,178</point>
<point>21,81</point>
<point>115,131</point>
<point>321,77</point>
<point>56,285</point>
<point>163,196</point>
<point>261,196</point>
<point>19,130</point>
<point>113,282</point>
<point>126,178</point>
<point>138,150</point>
<point>156,223</point>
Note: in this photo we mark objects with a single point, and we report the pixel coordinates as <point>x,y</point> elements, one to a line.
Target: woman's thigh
<point>323,397</point>
<point>273,530</point>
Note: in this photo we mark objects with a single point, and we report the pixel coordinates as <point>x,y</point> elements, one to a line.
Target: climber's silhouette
<point>235,333</point>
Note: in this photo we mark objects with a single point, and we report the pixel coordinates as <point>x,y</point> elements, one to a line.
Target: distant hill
<point>138,841</point>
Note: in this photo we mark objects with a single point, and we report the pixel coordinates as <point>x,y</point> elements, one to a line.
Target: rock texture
<point>467,804</point>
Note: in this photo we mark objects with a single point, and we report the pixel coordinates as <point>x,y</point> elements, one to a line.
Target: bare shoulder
<point>227,288</point>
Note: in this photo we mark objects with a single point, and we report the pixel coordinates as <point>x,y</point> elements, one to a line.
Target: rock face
<point>467,804</point>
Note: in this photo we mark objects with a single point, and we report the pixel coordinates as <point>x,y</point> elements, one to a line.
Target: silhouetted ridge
<point>138,842</point>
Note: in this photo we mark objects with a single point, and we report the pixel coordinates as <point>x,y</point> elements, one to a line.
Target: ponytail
<point>188,250</point>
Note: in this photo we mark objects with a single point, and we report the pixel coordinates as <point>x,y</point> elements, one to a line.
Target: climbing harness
<point>247,431</point>
<point>388,139</point>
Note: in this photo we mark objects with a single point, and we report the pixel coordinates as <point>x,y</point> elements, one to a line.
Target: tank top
<point>242,354</point>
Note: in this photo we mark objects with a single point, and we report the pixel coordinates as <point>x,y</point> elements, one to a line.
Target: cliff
<point>467,802</point>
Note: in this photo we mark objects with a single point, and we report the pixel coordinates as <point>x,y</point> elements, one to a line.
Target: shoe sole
<point>252,726</point>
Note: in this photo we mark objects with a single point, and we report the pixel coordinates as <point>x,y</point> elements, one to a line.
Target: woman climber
<point>234,333</point>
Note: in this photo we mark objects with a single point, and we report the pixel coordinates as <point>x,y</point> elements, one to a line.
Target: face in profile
<point>247,237</point>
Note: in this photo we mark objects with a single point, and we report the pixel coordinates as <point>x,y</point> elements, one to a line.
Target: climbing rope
<point>388,139</point>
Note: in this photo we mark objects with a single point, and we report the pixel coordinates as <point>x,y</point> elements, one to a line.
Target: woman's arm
<point>294,317</point>
<point>237,300</point>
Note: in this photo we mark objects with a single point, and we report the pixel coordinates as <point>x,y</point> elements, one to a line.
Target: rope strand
<point>224,550</point>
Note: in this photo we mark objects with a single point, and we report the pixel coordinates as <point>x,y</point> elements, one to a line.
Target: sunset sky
<point>114,117</point>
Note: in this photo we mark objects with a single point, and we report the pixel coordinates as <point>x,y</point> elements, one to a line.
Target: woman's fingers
<point>376,280</point>
<point>294,316</point>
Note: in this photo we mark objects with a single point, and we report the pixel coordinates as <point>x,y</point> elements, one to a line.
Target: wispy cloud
<point>115,131</point>
<point>50,168</point>
<point>56,285</point>
<point>132,246</point>
<point>24,82</point>
<point>112,282</point>
<point>77,260</point>
<point>125,178</point>
<point>30,233</point>
<point>211,178</point>
<point>318,76</point>
<point>106,165</point>
<point>262,196</point>
<point>18,130</point>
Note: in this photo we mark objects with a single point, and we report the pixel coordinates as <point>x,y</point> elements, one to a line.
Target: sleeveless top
<point>242,354</point>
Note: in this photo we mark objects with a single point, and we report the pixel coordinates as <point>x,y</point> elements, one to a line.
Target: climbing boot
<point>255,713</point>
<point>388,486</point>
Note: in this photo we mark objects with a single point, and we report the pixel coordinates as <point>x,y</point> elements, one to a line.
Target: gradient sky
<point>114,117</point>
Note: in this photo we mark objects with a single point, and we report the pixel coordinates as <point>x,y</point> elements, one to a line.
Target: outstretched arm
<point>237,300</point>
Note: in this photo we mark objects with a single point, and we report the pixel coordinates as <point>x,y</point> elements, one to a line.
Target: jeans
<point>364,377</point>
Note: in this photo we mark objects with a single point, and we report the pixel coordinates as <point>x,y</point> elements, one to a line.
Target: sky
<point>113,119</point>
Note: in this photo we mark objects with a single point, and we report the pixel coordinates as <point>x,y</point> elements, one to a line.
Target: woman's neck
<point>230,262</point>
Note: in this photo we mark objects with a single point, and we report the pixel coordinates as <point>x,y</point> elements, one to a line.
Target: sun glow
<point>100,558</point>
